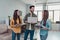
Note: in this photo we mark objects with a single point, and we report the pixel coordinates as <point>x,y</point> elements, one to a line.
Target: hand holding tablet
<point>32,20</point>
<point>19,25</point>
<point>38,26</point>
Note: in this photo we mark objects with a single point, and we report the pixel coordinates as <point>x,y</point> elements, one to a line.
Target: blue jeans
<point>31,34</point>
<point>14,36</point>
<point>43,37</point>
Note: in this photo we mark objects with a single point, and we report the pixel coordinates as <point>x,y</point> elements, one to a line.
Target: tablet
<point>32,20</point>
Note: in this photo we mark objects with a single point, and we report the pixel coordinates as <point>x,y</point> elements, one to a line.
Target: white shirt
<point>30,23</point>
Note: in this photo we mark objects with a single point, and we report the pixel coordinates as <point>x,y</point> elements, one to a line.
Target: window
<point>39,15</point>
<point>38,7</point>
<point>56,15</point>
<point>51,16</point>
<point>38,11</point>
<point>56,12</point>
<point>53,7</point>
<point>35,12</point>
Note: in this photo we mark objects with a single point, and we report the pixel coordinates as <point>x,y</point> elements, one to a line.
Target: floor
<point>53,35</point>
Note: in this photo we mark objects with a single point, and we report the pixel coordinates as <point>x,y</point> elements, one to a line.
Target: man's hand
<point>26,21</point>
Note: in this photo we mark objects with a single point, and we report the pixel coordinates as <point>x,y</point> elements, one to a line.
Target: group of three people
<point>30,27</point>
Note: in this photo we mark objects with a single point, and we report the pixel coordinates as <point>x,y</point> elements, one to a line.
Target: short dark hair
<point>32,6</point>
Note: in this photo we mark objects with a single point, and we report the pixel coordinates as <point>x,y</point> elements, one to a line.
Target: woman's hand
<point>45,28</point>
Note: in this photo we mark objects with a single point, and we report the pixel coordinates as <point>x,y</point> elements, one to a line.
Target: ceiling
<point>40,1</point>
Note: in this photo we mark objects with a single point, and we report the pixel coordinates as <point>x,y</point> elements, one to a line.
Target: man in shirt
<point>29,26</point>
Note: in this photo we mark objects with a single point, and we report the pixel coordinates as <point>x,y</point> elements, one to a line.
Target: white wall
<point>7,7</point>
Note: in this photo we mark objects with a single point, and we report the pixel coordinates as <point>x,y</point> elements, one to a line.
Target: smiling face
<point>18,13</point>
<point>32,9</point>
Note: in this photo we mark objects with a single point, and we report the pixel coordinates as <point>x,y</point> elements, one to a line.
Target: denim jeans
<point>14,36</point>
<point>43,37</point>
<point>31,34</point>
